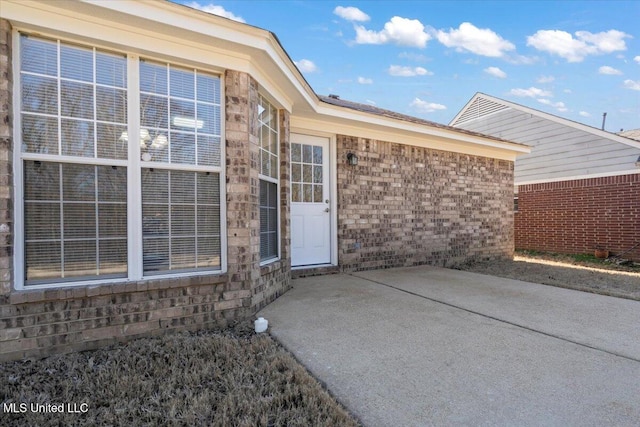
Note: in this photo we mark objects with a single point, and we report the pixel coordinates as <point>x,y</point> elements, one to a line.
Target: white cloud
<point>370,102</point>
<point>215,10</point>
<point>351,14</point>
<point>400,31</point>
<point>564,45</point>
<point>365,81</point>
<point>472,39</point>
<point>605,69</point>
<point>306,66</point>
<point>637,59</point>
<point>567,91</point>
<point>545,79</point>
<point>496,72</point>
<point>400,71</point>
<point>417,57</point>
<point>532,92</point>
<point>584,114</point>
<point>557,105</point>
<point>422,106</point>
<point>633,85</point>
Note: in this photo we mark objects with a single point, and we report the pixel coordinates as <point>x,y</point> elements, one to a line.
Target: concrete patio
<point>429,346</point>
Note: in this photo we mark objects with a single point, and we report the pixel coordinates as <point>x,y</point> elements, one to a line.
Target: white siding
<point>558,150</point>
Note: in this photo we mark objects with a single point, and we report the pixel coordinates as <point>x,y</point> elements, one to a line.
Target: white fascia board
<point>565,122</point>
<point>576,177</point>
<point>366,120</point>
<point>399,136</point>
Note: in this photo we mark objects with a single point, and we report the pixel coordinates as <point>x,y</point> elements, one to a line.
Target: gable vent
<point>479,108</point>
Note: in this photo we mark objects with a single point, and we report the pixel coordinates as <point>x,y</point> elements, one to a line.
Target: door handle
<point>327,210</point>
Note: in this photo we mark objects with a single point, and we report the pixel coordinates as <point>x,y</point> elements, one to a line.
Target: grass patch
<point>213,378</point>
<point>588,260</point>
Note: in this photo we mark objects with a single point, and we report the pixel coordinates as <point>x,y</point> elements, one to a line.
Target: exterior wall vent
<point>479,108</point>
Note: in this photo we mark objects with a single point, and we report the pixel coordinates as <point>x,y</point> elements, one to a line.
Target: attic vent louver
<point>479,108</point>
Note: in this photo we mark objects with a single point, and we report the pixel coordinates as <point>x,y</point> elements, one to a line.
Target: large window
<point>99,203</point>
<point>269,174</point>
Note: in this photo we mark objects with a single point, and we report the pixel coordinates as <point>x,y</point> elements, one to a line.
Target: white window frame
<point>134,166</point>
<point>275,181</point>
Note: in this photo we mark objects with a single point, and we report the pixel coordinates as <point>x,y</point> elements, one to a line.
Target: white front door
<point>310,204</point>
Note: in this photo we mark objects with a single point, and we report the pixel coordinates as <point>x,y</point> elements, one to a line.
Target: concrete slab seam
<point>496,318</point>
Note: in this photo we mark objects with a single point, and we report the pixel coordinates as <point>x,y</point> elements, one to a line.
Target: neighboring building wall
<point>37,323</point>
<point>576,216</point>
<point>404,205</point>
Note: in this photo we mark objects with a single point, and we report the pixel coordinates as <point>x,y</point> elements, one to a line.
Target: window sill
<point>23,296</point>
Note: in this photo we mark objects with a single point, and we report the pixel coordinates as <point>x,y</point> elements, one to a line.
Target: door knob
<point>327,210</point>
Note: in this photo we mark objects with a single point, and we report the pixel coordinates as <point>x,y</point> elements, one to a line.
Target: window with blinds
<point>269,172</point>
<point>76,165</point>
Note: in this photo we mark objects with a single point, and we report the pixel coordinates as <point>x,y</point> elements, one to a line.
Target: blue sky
<point>574,59</point>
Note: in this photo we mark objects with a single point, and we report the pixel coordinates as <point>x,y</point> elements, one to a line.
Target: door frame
<point>333,193</point>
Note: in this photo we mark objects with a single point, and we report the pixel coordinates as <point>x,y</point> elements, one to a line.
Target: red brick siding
<point>405,205</point>
<point>576,216</point>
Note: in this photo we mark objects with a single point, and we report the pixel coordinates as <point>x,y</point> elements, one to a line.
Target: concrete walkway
<point>428,346</point>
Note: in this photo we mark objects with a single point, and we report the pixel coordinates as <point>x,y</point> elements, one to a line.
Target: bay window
<point>117,166</point>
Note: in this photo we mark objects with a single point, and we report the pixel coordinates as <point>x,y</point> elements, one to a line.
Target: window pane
<point>42,221</point>
<point>111,104</point>
<point>182,186</point>
<point>77,138</point>
<point>183,253</point>
<point>153,77</point>
<point>179,209</point>
<point>182,83</point>
<point>183,220</point>
<point>113,220</point>
<point>208,150</point>
<point>155,254</point>
<point>112,141</point>
<point>76,63</point>
<point>111,69</point>
<point>80,258</point>
<point>39,56</point>
<point>307,155</point>
<point>155,186</point>
<point>76,100</point>
<point>113,256</point>
<point>317,155</point>
<point>154,111</point>
<point>208,119</point>
<point>208,88</point>
<point>41,181</point>
<point>39,134</point>
<point>78,182</point>
<point>296,153</point>
<point>43,260</point>
<point>183,148</point>
<point>208,252</point>
<point>39,94</point>
<point>183,116</point>
<point>208,188</point>
<point>209,221</point>
<point>296,192</point>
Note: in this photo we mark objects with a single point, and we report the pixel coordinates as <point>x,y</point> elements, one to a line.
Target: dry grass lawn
<point>211,378</point>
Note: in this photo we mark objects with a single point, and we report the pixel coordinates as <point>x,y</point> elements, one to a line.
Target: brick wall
<point>576,216</point>
<point>6,159</point>
<point>404,205</point>
<point>37,323</point>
